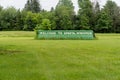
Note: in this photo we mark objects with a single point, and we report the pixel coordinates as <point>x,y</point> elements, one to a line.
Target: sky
<point>46,4</point>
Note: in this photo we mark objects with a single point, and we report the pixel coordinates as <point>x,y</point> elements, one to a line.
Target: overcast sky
<point>46,4</point>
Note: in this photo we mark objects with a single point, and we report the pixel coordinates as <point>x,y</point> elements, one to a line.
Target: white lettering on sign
<point>84,33</point>
<point>60,33</point>
<point>47,33</point>
<point>69,33</point>
<point>66,33</point>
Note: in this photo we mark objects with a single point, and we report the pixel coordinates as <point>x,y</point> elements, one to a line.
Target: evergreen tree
<point>52,9</point>
<point>33,5</point>
<point>96,15</point>
<point>67,3</point>
<point>28,5</point>
<point>19,21</point>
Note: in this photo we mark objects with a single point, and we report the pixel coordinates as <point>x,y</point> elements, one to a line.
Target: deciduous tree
<point>64,14</point>
<point>85,13</point>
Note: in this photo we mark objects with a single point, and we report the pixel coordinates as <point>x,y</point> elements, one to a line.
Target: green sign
<point>65,34</point>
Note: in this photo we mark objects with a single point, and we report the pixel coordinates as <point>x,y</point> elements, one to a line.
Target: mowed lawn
<point>24,58</point>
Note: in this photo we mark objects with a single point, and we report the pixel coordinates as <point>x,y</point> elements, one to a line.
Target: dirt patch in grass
<point>9,51</point>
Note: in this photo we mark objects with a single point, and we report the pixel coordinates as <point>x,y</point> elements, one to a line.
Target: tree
<point>64,14</point>
<point>28,6</point>
<point>0,17</point>
<point>49,15</point>
<point>45,25</point>
<point>85,14</point>
<point>7,18</point>
<point>52,9</point>
<point>19,22</point>
<point>31,20</point>
<point>35,6</point>
<point>96,15</point>
<point>67,3</point>
<point>113,11</point>
<point>1,8</point>
<point>32,5</point>
<point>104,23</point>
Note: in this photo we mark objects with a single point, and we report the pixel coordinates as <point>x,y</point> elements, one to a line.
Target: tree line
<point>62,17</point>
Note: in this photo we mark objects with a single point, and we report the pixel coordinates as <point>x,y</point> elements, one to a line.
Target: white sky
<point>46,4</point>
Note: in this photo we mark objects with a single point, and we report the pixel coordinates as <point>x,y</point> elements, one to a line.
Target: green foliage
<point>19,22</point>
<point>85,13</point>
<point>51,16</point>
<point>64,14</point>
<point>84,22</point>
<point>45,25</point>
<point>113,11</point>
<point>7,17</point>
<point>104,22</point>
<point>1,8</point>
<point>96,16</point>
<point>31,20</point>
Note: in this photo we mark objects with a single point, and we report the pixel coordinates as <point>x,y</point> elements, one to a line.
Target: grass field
<point>23,58</point>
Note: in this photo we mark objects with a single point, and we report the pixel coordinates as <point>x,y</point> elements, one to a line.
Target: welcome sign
<point>65,34</point>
